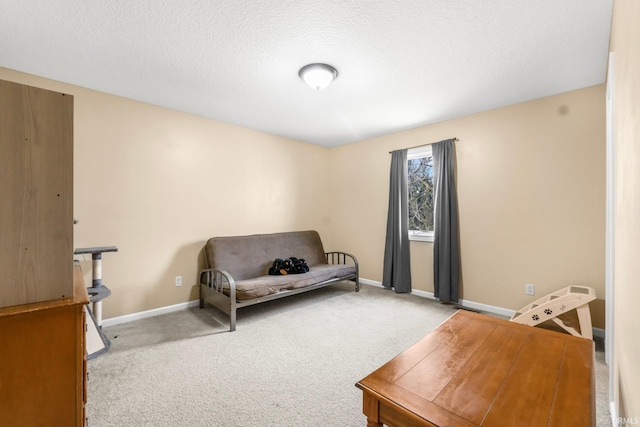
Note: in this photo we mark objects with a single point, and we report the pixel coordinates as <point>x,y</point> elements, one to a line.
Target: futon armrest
<point>337,257</point>
<point>218,281</point>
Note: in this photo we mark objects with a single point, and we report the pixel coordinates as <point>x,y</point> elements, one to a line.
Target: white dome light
<point>318,76</point>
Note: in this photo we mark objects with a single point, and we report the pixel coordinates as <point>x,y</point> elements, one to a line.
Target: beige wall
<point>157,183</point>
<point>625,36</point>
<point>531,194</point>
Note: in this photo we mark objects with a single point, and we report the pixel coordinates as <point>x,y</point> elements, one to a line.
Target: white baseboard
<point>614,414</point>
<point>597,332</point>
<point>371,282</point>
<point>464,303</point>
<point>149,313</point>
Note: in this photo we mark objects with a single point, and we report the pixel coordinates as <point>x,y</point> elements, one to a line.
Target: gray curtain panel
<point>397,268</point>
<point>446,246</point>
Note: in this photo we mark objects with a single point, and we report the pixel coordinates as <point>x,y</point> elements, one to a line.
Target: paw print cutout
<point>548,311</point>
<point>535,317</point>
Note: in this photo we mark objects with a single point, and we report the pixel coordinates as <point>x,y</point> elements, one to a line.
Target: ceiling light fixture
<point>318,76</point>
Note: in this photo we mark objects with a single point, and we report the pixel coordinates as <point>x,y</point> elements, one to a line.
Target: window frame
<point>416,153</point>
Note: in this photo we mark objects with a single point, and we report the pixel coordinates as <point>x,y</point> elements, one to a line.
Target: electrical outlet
<point>529,289</point>
<point>178,280</point>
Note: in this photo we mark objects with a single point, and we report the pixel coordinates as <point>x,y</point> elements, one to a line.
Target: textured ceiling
<point>401,63</point>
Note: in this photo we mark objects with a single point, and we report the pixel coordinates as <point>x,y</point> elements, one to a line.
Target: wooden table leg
<point>370,407</point>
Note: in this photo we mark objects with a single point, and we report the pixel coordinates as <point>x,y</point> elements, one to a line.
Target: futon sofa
<point>236,274</point>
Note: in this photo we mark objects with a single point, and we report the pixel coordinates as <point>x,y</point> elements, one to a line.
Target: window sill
<point>421,237</point>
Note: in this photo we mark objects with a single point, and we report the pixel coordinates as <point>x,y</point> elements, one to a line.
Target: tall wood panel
<point>36,194</point>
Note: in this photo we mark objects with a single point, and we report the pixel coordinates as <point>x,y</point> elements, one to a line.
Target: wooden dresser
<point>475,370</point>
<point>43,363</point>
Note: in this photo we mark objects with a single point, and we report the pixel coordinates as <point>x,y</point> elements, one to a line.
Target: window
<point>420,188</point>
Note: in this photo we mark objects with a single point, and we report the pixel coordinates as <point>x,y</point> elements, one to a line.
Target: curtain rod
<point>421,145</point>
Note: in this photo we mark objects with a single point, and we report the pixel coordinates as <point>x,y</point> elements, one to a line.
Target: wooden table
<point>476,370</point>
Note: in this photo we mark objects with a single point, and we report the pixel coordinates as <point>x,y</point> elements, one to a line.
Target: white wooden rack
<point>557,303</point>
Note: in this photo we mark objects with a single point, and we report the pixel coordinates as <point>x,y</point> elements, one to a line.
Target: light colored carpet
<point>291,362</point>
